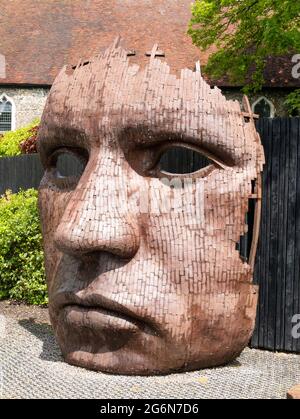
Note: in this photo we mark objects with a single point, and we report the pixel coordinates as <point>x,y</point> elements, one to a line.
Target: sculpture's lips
<point>100,309</point>
<point>98,318</point>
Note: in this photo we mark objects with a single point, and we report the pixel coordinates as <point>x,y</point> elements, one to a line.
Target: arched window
<point>264,108</point>
<point>7,114</point>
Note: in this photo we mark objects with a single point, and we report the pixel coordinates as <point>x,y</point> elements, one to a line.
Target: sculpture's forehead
<point>109,94</point>
<point>113,85</point>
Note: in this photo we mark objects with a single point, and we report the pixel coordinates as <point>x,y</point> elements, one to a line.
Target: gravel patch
<point>31,366</point>
<point>20,311</point>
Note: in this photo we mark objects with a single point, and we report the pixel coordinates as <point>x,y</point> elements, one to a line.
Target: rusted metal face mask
<point>142,267</point>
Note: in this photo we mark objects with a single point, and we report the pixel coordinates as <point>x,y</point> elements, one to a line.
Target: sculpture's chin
<point>108,341</point>
<point>128,352</point>
<point>126,363</point>
<point>129,364</point>
<point>140,354</point>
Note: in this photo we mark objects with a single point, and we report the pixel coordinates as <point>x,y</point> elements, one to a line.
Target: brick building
<point>38,38</point>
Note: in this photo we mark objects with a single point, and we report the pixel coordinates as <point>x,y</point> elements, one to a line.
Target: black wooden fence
<point>278,255</point>
<point>20,172</point>
<point>26,171</point>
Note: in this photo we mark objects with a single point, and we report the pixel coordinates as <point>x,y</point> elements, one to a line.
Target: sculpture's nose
<point>98,216</point>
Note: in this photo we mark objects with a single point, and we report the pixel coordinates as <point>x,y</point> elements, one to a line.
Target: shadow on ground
<point>44,332</point>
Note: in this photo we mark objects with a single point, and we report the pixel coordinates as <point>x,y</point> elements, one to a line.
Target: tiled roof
<point>38,37</point>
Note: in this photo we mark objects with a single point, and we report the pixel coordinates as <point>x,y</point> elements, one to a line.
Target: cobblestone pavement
<point>32,367</point>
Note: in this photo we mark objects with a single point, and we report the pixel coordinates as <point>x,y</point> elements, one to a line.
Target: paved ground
<point>31,367</point>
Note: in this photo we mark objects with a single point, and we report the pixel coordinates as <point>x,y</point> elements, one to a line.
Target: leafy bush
<point>29,145</point>
<point>293,103</point>
<point>10,142</point>
<point>22,275</point>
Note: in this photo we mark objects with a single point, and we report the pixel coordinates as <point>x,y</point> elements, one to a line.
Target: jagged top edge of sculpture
<point>115,49</point>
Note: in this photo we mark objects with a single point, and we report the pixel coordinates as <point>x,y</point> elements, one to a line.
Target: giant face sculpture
<point>142,267</point>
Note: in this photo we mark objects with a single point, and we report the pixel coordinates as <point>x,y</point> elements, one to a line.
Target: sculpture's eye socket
<point>180,160</point>
<point>169,154</point>
<point>66,166</point>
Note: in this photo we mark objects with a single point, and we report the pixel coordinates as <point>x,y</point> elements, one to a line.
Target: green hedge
<point>10,141</point>
<point>22,275</point>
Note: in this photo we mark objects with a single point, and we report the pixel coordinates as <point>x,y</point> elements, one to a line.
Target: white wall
<point>29,102</point>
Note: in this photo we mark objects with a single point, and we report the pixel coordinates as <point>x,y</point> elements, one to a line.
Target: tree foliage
<point>245,33</point>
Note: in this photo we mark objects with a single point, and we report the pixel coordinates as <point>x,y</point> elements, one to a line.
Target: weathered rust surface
<point>142,268</point>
